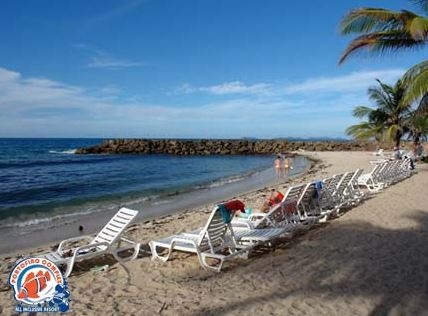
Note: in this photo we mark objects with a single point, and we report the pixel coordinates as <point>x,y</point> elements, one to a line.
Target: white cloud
<point>44,107</point>
<point>103,59</point>
<point>17,92</point>
<point>7,75</point>
<point>236,87</point>
<point>353,81</point>
<point>356,81</point>
<point>112,63</point>
<point>233,87</point>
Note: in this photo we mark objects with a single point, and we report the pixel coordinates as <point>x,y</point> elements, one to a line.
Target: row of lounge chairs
<point>224,238</point>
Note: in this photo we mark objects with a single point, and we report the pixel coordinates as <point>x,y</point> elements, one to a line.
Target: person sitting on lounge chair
<point>274,198</point>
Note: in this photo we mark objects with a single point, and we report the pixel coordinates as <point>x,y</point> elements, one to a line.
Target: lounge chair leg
<point>156,255</point>
<point>134,255</point>
<point>323,219</point>
<point>70,266</point>
<point>204,263</point>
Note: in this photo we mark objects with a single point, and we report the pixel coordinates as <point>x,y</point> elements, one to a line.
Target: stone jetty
<point>217,147</point>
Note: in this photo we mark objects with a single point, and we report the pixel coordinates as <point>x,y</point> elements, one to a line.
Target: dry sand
<point>373,260</point>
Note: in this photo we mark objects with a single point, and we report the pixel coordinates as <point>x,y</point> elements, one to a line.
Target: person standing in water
<point>277,164</point>
<point>287,166</point>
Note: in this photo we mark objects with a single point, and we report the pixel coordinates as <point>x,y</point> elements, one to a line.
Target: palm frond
<point>418,28</point>
<point>393,132</point>
<point>362,111</point>
<point>416,79</point>
<point>422,109</point>
<point>380,95</point>
<point>364,131</point>
<point>381,43</point>
<point>366,20</point>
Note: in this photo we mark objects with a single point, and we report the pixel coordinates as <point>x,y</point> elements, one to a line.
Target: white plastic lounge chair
<point>212,242</point>
<point>345,198</point>
<point>329,201</point>
<point>308,206</point>
<point>371,181</point>
<point>107,241</point>
<point>286,214</point>
<point>378,152</point>
<point>217,240</point>
<point>353,189</point>
<point>283,214</point>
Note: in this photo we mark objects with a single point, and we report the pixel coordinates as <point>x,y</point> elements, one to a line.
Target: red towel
<point>235,205</point>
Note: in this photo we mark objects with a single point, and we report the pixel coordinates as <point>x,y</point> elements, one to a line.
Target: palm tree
<point>388,120</point>
<point>372,128</point>
<point>418,128</point>
<point>384,31</point>
<point>418,121</point>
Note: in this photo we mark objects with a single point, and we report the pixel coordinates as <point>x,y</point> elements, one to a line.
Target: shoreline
<point>49,233</point>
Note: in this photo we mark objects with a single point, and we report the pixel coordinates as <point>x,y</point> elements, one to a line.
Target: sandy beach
<point>373,260</point>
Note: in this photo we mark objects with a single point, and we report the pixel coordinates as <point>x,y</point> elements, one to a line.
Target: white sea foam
<point>225,181</point>
<point>68,151</point>
<point>43,221</point>
<point>160,202</point>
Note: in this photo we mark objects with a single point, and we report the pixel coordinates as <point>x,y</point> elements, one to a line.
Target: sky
<point>184,68</point>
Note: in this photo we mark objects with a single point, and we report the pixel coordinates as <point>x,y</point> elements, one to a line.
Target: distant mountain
<point>303,139</point>
<point>317,139</point>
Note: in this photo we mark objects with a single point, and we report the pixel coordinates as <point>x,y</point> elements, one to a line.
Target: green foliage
<point>416,79</point>
<point>387,121</point>
<point>384,31</point>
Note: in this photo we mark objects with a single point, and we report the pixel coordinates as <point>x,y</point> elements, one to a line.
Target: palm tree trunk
<point>397,139</point>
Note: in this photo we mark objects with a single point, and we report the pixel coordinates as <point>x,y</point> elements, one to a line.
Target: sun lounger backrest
<point>295,192</point>
<point>324,200</point>
<point>214,231</point>
<point>344,183</point>
<point>280,213</point>
<point>329,197</point>
<point>353,182</point>
<point>293,196</point>
<point>114,228</point>
<point>310,199</point>
<point>356,175</point>
<point>286,207</point>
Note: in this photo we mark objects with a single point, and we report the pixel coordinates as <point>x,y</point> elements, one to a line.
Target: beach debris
<point>133,228</point>
<point>102,268</point>
<point>4,287</point>
<point>164,305</point>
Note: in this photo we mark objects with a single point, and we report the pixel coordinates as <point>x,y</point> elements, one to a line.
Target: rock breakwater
<point>217,147</point>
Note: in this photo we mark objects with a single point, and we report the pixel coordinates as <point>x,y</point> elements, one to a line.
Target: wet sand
<point>65,227</point>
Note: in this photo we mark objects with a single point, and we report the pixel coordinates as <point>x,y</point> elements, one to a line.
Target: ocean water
<point>42,180</point>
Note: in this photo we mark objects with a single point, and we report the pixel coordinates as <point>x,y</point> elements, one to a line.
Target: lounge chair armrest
<point>70,240</point>
<point>243,225</point>
<point>129,241</point>
<point>184,240</point>
<point>88,247</point>
<point>256,216</point>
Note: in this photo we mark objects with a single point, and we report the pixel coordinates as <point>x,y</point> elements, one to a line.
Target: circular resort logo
<point>39,286</point>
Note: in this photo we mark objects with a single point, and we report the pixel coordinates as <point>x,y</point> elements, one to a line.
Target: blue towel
<point>225,214</point>
<point>318,186</point>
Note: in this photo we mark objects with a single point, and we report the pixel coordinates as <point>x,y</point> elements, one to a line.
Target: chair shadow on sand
<point>384,268</point>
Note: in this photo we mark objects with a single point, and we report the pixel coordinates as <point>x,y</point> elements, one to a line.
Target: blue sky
<point>184,69</point>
